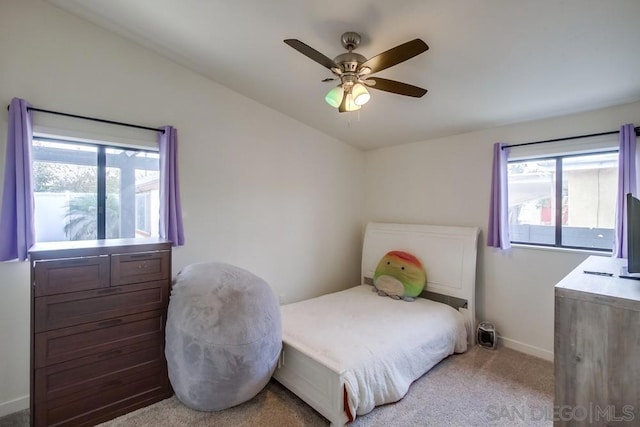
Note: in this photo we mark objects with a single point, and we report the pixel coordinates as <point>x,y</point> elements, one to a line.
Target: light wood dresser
<point>597,346</point>
<point>98,313</point>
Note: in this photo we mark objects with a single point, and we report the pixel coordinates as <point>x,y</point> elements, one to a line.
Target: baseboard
<point>526,348</point>
<point>14,405</point>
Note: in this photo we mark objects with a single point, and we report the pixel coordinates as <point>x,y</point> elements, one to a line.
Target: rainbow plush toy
<point>399,275</point>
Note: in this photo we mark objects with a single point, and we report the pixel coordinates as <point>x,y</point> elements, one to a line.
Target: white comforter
<point>380,345</point>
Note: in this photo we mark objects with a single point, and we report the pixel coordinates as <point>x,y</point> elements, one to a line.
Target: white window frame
<point>48,134</point>
<point>562,149</point>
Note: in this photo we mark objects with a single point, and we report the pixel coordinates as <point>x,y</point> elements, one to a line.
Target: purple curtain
<point>498,234</point>
<point>17,228</point>
<point>626,184</point>
<point>170,208</point>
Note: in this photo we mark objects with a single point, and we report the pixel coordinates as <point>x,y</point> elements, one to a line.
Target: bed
<point>345,353</point>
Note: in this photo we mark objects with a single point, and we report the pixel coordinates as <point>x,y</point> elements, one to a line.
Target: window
<point>564,200</point>
<point>143,200</point>
<point>91,191</point>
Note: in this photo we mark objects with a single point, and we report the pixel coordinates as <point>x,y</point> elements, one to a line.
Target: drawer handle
<point>139,256</point>
<point>112,383</point>
<point>79,261</point>
<point>110,354</point>
<point>112,322</point>
<point>109,291</point>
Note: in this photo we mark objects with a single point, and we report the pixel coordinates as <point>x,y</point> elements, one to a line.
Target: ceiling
<point>490,62</point>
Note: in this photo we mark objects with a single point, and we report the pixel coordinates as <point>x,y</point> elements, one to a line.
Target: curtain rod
<point>95,119</point>
<point>637,129</point>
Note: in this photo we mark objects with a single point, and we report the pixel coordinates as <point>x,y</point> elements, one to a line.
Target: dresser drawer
<point>70,275</point>
<point>140,267</point>
<point>93,373</point>
<point>65,344</point>
<point>59,311</point>
<point>86,408</point>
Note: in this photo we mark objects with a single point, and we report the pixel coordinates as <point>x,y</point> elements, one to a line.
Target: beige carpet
<point>479,388</point>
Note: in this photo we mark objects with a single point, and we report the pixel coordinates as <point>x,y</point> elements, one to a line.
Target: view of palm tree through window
<point>582,216</point>
<point>67,190</point>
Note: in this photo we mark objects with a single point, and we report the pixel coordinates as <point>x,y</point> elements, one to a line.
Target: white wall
<point>446,181</point>
<point>259,189</point>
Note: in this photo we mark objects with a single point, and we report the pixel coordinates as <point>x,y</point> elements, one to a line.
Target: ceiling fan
<point>354,71</point>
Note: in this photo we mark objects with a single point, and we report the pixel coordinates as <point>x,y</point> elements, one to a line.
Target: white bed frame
<point>448,255</point>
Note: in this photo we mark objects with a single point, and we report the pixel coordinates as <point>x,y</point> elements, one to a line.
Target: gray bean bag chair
<point>223,336</point>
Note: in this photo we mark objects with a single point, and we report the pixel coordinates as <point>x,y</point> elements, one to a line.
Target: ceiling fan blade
<point>396,55</point>
<point>311,53</point>
<point>395,87</point>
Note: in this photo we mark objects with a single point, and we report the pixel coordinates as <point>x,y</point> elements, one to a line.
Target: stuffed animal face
<point>399,275</point>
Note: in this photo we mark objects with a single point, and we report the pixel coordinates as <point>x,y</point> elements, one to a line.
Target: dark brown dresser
<point>98,313</point>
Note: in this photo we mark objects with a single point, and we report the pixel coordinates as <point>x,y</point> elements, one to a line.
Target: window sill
<point>564,250</point>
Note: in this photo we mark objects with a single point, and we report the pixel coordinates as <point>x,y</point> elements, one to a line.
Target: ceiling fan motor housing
<point>349,62</point>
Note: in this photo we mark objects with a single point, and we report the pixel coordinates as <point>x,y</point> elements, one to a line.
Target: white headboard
<point>448,255</point>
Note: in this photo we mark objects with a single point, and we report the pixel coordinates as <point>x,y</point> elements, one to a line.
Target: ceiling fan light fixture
<point>360,94</point>
<point>350,105</point>
<point>334,96</point>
